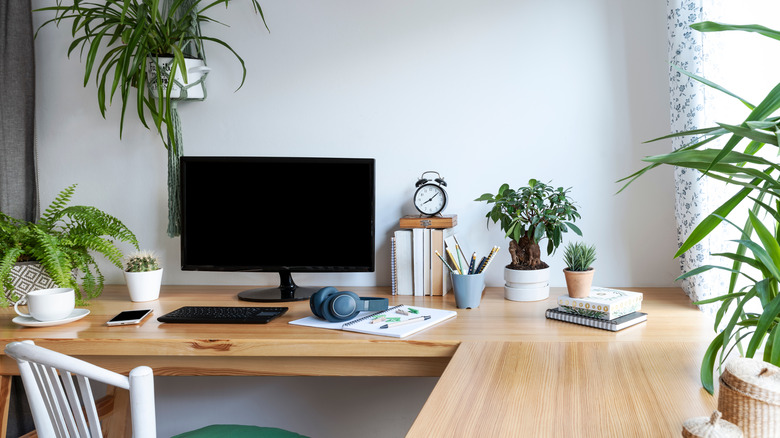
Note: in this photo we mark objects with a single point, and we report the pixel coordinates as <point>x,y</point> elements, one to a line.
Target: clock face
<point>430,199</point>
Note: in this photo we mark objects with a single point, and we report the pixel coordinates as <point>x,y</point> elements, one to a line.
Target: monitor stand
<point>287,291</point>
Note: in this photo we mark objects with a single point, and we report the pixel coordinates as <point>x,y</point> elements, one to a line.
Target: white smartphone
<point>130,317</point>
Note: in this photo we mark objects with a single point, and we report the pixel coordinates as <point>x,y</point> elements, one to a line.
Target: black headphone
<point>424,180</point>
<point>333,305</point>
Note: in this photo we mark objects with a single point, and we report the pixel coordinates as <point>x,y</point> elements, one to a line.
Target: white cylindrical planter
<point>144,286</point>
<point>531,285</point>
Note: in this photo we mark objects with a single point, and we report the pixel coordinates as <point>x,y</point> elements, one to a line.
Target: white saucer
<point>32,322</point>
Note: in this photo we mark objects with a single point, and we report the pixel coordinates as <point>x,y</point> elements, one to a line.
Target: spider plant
<point>736,162</point>
<point>131,32</point>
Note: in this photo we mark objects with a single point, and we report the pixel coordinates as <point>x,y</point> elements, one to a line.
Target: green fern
<point>56,206</point>
<point>63,241</point>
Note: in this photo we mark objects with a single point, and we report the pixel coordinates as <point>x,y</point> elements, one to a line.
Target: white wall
<point>484,92</point>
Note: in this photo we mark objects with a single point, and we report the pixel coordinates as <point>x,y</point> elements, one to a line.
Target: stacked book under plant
<point>603,308</point>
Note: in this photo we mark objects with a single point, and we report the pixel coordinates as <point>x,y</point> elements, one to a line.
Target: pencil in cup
<point>445,262</point>
<point>454,260</point>
<point>489,259</point>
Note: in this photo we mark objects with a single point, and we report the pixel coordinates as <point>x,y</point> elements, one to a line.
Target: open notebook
<point>364,323</point>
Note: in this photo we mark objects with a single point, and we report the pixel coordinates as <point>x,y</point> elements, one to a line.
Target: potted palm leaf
<point>133,48</point>
<point>61,244</point>
<point>736,162</point>
<point>529,215</point>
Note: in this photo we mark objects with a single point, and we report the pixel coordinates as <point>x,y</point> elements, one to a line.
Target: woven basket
<point>749,397</point>
<point>710,427</point>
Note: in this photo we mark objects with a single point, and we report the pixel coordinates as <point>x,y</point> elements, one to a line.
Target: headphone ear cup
<point>316,301</point>
<point>341,306</point>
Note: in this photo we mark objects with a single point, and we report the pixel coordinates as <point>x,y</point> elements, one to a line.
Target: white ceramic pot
<point>532,285</point>
<point>196,69</point>
<point>144,286</point>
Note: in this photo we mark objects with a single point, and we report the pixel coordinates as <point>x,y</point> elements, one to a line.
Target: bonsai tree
<point>63,241</point>
<point>530,214</point>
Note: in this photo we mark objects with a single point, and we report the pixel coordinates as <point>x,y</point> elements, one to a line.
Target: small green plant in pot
<point>63,242</point>
<point>143,275</point>
<point>529,215</point>
<point>579,271</point>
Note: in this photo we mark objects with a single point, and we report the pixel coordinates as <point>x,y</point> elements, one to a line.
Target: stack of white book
<point>608,309</point>
<point>416,270</point>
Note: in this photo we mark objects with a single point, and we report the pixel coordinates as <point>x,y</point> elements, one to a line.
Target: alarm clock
<point>430,198</point>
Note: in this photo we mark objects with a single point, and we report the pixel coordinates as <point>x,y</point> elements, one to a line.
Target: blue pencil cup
<point>468,290</point>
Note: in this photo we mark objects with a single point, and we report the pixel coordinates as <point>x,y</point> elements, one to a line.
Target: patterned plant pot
<point>26,277</point>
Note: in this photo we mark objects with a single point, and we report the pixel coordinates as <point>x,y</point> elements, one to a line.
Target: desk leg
<point>119,425</point>
<point>5,403</point>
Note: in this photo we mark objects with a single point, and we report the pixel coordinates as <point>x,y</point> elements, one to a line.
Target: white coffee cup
<point>48,304</point>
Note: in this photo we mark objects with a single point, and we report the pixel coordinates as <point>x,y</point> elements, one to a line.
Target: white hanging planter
<point>530,285</point>
<point>144,286</point>
<point>193,88</point>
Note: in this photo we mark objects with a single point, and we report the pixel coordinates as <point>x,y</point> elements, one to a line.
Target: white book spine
<point>404,267</point>
<point>418,260</point>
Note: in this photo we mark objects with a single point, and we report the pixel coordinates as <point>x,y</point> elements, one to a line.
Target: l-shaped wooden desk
<point>504,369</point>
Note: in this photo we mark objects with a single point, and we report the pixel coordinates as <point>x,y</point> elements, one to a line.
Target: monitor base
<point>277,294</point>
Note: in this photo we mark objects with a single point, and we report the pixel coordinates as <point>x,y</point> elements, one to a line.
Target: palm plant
<point>758,183</point>
<point>63,241</point>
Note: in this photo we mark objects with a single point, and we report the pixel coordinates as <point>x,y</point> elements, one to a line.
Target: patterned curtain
<point>696,196</point>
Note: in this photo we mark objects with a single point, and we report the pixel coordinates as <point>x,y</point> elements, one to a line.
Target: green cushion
<point>237,431</point>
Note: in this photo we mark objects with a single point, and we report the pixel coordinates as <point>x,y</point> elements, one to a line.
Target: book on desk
<point>607,309</point>
<point>415,268</point>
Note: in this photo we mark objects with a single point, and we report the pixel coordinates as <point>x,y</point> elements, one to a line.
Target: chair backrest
<point>50,380</point>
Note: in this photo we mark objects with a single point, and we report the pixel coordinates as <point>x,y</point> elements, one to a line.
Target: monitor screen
<point>275,214</point>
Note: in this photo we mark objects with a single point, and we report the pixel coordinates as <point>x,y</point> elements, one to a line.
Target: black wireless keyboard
<point>223,315</point>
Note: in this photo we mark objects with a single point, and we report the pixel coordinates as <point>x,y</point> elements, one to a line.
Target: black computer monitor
<point>277,214</point>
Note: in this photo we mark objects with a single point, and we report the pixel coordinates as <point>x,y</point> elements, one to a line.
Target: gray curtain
<point>18,185</point>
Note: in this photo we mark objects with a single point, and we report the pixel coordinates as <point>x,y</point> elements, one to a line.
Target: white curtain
<point>741,63</point>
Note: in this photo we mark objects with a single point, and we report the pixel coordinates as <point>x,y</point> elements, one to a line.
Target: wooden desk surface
<point>504,368</point>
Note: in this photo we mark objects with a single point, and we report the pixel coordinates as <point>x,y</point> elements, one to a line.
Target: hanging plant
<point>119,39</point>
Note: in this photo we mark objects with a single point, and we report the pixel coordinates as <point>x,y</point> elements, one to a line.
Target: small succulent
<point>579,256</point>
<point>142,261</point>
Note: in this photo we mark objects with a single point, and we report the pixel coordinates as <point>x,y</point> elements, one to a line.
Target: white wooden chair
<point>61,409</point>
<point>59,406</point>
